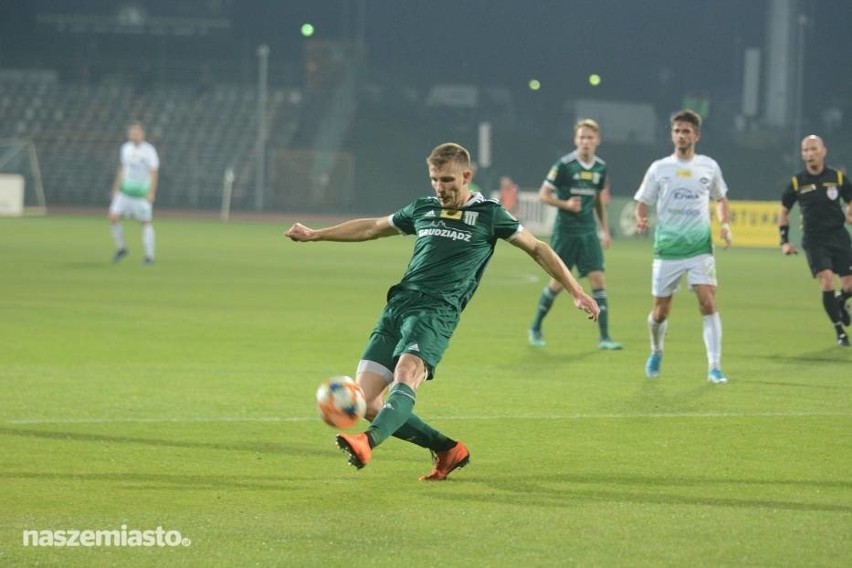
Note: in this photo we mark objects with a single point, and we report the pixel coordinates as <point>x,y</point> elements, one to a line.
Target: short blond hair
<point>449,152</point>
<point>587,123</point>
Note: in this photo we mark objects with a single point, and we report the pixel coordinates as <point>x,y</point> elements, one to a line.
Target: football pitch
<point>180,397</point>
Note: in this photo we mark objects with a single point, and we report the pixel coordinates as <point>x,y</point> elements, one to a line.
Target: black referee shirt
<point>819,198</point>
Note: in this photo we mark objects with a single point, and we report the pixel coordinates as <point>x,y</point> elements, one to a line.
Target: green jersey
<point>570,177</point>
<point>453,246</point>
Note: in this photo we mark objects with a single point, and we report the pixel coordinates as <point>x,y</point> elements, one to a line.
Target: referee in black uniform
<point>819,191</point>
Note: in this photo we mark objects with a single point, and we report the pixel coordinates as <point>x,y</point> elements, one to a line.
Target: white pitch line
<point>555,417</point>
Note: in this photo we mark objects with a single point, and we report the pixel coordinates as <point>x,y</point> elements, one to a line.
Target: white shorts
<point>666,274</point>
<point>134,207</point>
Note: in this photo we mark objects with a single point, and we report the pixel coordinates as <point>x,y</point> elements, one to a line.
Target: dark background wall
<point>349,115</point>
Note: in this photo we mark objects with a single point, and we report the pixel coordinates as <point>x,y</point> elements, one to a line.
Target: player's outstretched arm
<point>553,265</point>
<point>355,230</point>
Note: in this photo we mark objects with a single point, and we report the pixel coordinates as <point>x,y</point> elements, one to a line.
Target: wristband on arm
<point>785,234</point>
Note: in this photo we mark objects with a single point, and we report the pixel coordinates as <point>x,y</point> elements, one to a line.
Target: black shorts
<point>829,252</point>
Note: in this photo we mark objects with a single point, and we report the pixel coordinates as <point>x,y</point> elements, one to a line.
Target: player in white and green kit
<point>134,191</point>
<point>575,186</point>
<point>456,231</point>
<point>681,187</point>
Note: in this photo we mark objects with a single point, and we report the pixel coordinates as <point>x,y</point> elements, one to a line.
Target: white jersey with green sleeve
<point>681,191</point>
<point>137,163</point>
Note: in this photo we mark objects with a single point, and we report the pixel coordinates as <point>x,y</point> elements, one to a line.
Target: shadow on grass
<point>644,490</point>
<point>88,265</point>
<point>798,385</point>
<point>829,355</point>
<point>168,480</point>
<point>254,447</point>
<point>268,448</point>
<point>655,396</point>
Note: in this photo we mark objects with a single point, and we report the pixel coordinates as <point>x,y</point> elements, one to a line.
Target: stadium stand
<point>78,128</point>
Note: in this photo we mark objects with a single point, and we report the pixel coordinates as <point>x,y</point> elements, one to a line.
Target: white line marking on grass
<point>227,419</point>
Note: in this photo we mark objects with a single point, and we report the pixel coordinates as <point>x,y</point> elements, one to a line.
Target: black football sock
<point>831,307</point>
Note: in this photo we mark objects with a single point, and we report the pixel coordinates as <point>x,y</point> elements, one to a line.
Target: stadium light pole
<point>800,88</point>
<point>260,173</point>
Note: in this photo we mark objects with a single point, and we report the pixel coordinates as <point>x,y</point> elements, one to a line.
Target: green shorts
<point>583,251</point>
<point>415,323</point>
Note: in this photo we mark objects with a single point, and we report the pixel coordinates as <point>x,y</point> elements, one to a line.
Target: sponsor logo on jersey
<point>430,213</point>
<point>682,193</point>
<point>682,173</point>
<point>439,229</point>
<point>451,214</point>
<point>590,191</point>
<point>594,177</point>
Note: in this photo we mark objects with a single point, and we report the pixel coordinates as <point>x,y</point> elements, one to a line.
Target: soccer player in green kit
<point>456,231</point>
<point>576,185</point>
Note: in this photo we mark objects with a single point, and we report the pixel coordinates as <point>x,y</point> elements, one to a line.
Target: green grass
<point>181,396</point>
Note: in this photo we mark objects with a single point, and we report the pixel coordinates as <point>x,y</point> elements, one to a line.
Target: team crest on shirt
<point>467,217</point>
<point>831,192</point>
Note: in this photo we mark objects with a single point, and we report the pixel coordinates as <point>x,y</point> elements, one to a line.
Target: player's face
<point>135,134</point>
<point>586,141</point>
<point>684,137</point>
<point>813,152</point>
<point>451,184</point>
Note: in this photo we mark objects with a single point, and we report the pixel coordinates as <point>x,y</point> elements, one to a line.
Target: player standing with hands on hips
<point>456,231</point>
<point>134,191</point>
<point>818,190</point>
<point>681,186</point>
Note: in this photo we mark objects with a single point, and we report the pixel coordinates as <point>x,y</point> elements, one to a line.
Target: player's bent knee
<point>373,408</point>
<point>410,370</point>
